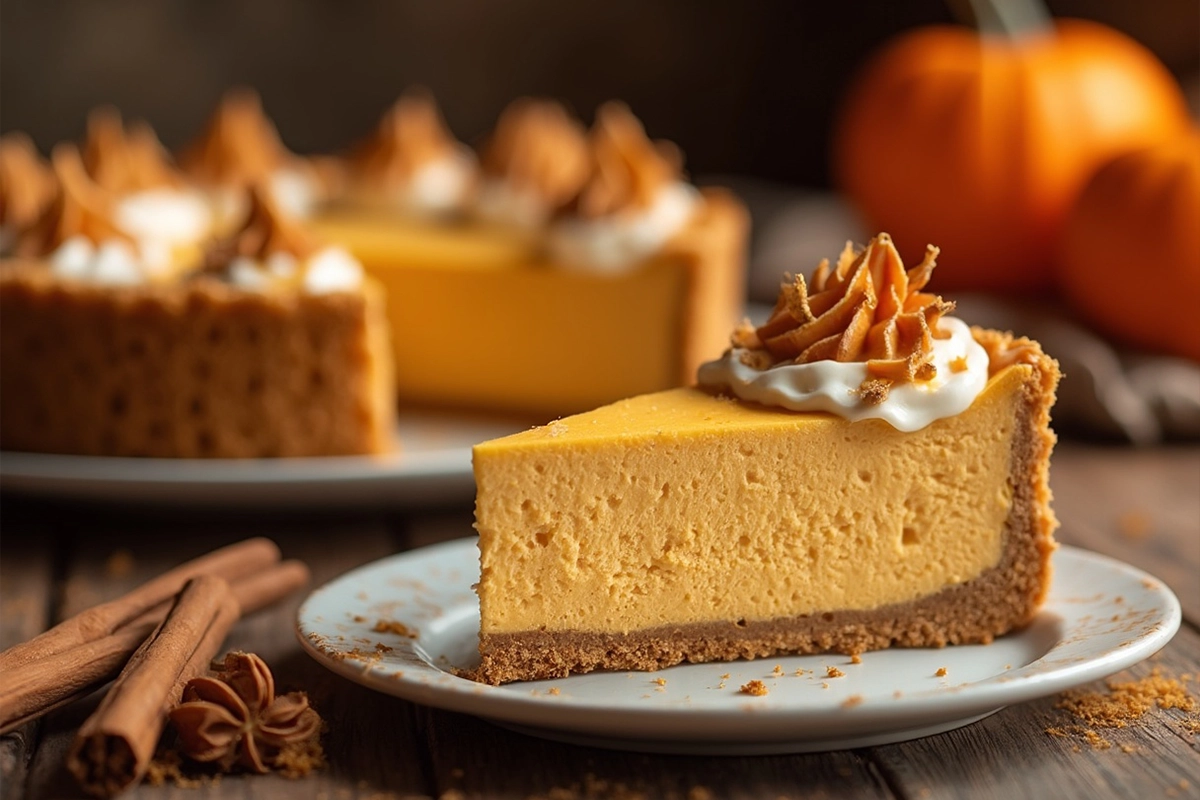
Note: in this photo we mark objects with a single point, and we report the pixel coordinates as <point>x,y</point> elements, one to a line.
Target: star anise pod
<point>236,719</point>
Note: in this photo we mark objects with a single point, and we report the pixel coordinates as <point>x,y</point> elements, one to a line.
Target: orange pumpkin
<point>980,144</point>
<point>1130,254</point>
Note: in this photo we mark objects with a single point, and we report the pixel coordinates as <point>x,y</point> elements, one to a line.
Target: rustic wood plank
<point>476,759</point>
<point>1139,506</point>
<point>1010,754</point>
<point>372,743</point>
<point>26,594</point>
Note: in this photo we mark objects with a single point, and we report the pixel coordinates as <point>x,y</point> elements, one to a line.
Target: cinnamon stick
<point>38,687</point>
<point>114,746</point>
<point>235,561</point>
<point>267,587</point>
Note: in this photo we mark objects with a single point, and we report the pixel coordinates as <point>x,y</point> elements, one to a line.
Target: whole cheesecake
<point>905,503</point>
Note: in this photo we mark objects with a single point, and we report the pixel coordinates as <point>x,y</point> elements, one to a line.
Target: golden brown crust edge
<point>1003,598</point>
<point>190,370</point>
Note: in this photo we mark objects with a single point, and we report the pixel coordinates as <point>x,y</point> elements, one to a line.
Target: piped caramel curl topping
<point>26,183</point>
<point>124,159</point>
<point>410,135</point>
<point>239,146</point>
<point>265,232</point>
<point>538,147</point>
<point>1006,352</point>
<point>628,169</point>
<point>78,207</point>
<point>866,309</point>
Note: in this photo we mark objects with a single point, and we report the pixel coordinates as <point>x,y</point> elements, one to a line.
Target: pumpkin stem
<point>1008,18</point>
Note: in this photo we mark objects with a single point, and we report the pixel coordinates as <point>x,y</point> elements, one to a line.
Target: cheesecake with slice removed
<point>573,270</point>
<point>264,343</point>
<point>861,472</point>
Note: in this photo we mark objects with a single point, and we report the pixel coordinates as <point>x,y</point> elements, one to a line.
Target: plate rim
<point>431,464</point>
<point>658,723</point>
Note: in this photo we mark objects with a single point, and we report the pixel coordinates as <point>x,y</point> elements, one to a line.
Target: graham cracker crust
<point>1002,599</point>
<point>195,369</point>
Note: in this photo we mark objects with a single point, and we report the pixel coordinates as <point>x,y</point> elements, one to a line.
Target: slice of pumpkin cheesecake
<point>863,471</point>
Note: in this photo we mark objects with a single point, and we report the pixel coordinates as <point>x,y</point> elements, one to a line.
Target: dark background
<point>745,87</point>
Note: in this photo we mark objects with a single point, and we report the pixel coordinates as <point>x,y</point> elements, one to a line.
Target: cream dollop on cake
<point>151,200</point>
<point>536,161</point>
<point>411,163</point>
<point>273,252</point>
<point>865,342</point>
<point>78,238</point>
<point>634,202</point>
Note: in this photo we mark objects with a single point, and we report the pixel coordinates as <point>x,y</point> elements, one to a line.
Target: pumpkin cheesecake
<point>862,471</point>
<point>563,270</point>
<point>264,343</point>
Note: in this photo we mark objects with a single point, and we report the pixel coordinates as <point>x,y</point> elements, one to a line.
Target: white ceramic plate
<point>1102,616</point>
<point>433,463</point>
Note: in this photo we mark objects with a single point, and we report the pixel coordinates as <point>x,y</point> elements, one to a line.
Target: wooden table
<point>1140,506</point>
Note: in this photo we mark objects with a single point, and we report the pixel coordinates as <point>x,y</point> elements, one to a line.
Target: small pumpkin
<point>1130,254</point>
<point>981,143</point>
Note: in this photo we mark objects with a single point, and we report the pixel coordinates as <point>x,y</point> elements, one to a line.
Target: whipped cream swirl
<point>833,386</point>
<point>618,242</point>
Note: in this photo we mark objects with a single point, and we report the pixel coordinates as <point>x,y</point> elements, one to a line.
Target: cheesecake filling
<point>852,516</point>
<point>961,372</point>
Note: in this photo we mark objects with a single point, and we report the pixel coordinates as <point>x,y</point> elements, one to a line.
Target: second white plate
<point>1102,616</point>
<point>432,463</point>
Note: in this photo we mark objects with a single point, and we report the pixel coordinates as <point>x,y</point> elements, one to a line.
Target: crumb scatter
<point>392,626</point>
